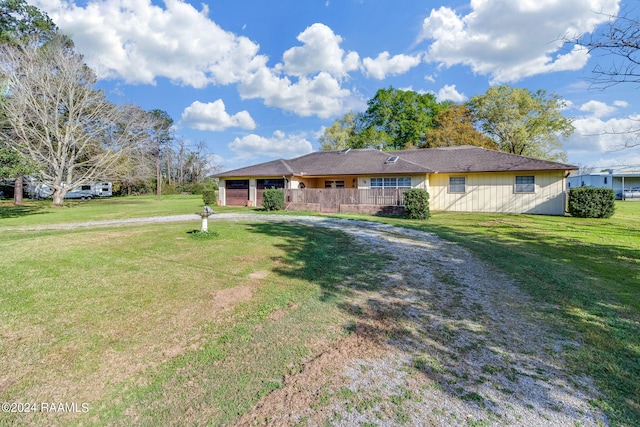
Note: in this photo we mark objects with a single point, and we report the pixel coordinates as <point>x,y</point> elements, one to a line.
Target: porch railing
<point>347,196</point>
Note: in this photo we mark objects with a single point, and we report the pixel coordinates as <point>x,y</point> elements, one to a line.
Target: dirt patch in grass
<point>258,275</point>
<point>225,299</point>
<point>301,391</point>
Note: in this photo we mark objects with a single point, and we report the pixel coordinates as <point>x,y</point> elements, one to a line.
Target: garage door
<point>237,192</point>
<point>263,184</point>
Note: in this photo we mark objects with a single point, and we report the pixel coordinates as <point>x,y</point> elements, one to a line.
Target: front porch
<point>388,201</point>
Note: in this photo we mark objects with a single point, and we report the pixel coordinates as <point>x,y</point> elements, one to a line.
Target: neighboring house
<point>463,179</point>
<point>626,185</point>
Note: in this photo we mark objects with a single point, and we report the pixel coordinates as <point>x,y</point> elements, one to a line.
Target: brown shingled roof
<point>272,168</point>
<point>477,159</point>
<point>419,161</point>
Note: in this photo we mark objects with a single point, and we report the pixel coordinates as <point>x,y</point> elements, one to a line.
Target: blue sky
<point>260,80</point>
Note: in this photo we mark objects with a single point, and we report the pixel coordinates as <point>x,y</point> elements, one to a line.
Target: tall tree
<point>161,138</point>
<point>396,119</point>
<point>337,136</point>
<point>456,126</point>
<point>20,25</point>
<point>523,122</point>
<point>59,121</point>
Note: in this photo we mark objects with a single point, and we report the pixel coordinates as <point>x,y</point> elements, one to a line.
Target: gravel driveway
<point>444,339</point>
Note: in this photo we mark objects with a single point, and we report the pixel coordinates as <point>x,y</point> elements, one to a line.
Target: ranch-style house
<point>462,179</point>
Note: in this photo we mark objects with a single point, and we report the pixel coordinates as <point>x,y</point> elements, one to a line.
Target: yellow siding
<point>495,192</point>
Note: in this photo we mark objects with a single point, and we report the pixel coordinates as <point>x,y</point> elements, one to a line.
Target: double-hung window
<point>525,184</point>
<point>457,184</point>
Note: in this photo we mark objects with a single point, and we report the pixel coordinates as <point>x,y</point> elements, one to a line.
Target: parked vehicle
<point>633,193</point>
<point>38,190</point>
<point>102,189</point>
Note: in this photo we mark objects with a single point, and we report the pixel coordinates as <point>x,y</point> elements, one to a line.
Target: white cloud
<point>595,134</point>
<point>320,52</point>
<point>138,41</point>
<point>321,95</point>
<point>384,65</point>
<point>510,40</point>
<point>280,145</point>
<point>213,116</point>
<point>450,93</point>
<point>598,109</point>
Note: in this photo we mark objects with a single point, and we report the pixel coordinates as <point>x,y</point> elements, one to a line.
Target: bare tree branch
<point>60,122</point>
<point>620,40</point>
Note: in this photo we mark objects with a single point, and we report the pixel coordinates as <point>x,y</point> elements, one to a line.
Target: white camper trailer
<point>102,189</point>
<point>38,190</point>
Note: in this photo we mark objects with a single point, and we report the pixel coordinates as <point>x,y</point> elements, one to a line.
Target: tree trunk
<point>158,178</point>
<point>18,191</point>
<point>58,197</point>
<point>169,178</point>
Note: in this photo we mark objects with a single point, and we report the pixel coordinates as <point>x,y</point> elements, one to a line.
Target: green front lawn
<point>149,326</point>
<point>136,320</point>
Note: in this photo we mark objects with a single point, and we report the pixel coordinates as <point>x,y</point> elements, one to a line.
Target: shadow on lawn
<point>438,315</point>
<point>9,210</point>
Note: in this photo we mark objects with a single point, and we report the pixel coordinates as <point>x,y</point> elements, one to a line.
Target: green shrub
<point>190,187</point>
<point>273,199</point>
<point>591,202</point>
<point>416,204</point>
<point>209,197</point>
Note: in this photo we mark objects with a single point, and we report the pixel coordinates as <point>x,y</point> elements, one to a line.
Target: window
<point>334,184</point>
<point>400,182</point>
<point>457,184</point>
<point>525,184</point>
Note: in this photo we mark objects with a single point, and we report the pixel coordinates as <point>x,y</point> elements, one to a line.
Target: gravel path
<point>443,339</point>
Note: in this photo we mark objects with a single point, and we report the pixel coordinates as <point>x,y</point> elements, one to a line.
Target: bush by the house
<point>209,197</point>
<point>273,199</point>
<point>591,202</point>
<point>416,204</point>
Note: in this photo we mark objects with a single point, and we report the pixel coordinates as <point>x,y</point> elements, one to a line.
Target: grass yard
<point>41,212</point>
<point>582,272</point>
<point>152,327</point>
<point>149,326</point>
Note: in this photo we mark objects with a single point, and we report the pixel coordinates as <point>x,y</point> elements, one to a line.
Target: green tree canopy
<point>523,122</point>
<point>338,135</point>
<point>456,126</point>
<point>395,119</point>
<point>21,23</point>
